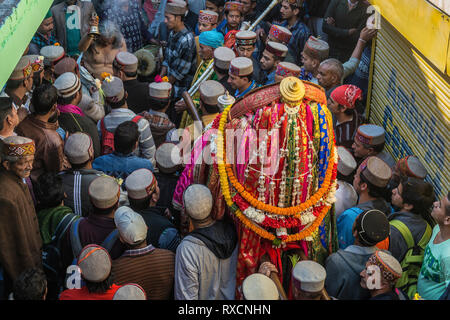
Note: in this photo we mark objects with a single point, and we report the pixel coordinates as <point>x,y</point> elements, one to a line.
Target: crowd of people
<point>91,123</point>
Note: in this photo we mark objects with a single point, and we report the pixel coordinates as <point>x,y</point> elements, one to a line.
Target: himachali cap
<point>287,69</point>
<point>280,33</point>
<point>198,201</point>
<point>140,184</point>
<point>160,90</point>
<point>245,38</point>
<point>309,276</point>
<point>376,171</point>
<point>210,91</point>
<point>233,5</point>
<point>113,89</point>
<point>372,227</point>
<point>257,286</point>
<point>176,7</point>
<point>390,268</point>
<point>207,16</point>
<point>65,65</point>
<point>18,147</point>
<point>146,62</point>
<point>130,291</point>
<point>23,69</point>
<point>370,134</point>
<point>37,62</point>
<point>223,57</point>
<point>346,197</point>
<point>95,263</point>
<point>346,163</point>
<point>52,54</point>
<point>126,62</point>
<point>131,225</point>
<point>412,167</point>
<point>277,49</point>
<point>168,157</point>
<point>241,66</point>
<point>67,84</point>
<point>316,48</point>
<point>78,148</point>
<point>104,192</point>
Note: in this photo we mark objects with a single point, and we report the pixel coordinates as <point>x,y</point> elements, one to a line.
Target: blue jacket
<point>120,165</point>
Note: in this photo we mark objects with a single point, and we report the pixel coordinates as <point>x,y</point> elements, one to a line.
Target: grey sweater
<point>343,269</point>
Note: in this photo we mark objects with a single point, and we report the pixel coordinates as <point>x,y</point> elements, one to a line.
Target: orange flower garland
<point>226,172</point>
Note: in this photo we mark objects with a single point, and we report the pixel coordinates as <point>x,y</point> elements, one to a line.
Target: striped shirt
<point>153,269</point>
<point>146,148</point>
<point>345,132</point>
<point>180,60</point>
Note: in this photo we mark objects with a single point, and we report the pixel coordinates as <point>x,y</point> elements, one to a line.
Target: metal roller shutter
<point>410,99</point>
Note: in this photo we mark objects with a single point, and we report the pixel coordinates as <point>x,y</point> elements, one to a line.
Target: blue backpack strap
<point>63,225</point>
<point>75,238</point>
<point>110,240</point>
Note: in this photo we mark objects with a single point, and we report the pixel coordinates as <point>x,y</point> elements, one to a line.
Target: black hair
<point>140,204</point>
<point>373,190</point>
<point>37,78</point>
<point>376,148</point>
<point>220,70</point>
<point>158,104</point>
<point>118,104</point>
<point>347,111</point>
<point>125,137</point>
<point>44,98</point>
<point>249,77</point>
<point>30,285</point>
<point>6,105</point>
<point>218,3</point>
<point>65,101</point>
<point>420,195</point>
<point>100,287</point>
<point>104,212</point>
<point>14,84</point>
<point>49,190</point>
<point>77,166</point>
<point>211,108</point>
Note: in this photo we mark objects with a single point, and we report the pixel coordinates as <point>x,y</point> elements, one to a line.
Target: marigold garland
<point>224,175</point>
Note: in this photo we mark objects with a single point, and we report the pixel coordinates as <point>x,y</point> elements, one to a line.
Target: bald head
<point>331,72</point>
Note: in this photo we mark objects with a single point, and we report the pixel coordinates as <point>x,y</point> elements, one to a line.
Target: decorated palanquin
<point>274,174</point>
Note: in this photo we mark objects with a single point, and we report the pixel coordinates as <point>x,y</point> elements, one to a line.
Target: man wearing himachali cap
<point>245,46</point>
<point>95,265</point>
<point>205,262</point>
<point>233,17</point>
<point>370,183</point>
<point>369,141</point>
<point>272,55</point>
<point>125,67</point>
<point>142,263</point>
<point>222,60</point>
<point>346,196</point>
<point>389,270</point>
<point>79,150</point>
<point>143,193</point>
<point>207,21</point>
<point>241,76</point>
<point>19,85</point>
<point>20,239</point>
<point>99,227</point>
<point>344,266</point>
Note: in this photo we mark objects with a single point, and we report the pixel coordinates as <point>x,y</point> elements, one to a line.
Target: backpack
<point>108,137</point>
<point>412,262</point>
<point>75,242</point>
<point>51,254</point>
